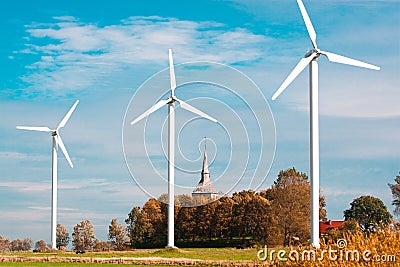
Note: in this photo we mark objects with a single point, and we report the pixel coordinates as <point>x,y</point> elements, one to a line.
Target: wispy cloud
<point>20,156</point>
<point>26,186</point>
<point>78,55</point>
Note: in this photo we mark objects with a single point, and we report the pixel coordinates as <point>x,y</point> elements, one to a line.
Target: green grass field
<point>190,253</point>
<point>213,254</point>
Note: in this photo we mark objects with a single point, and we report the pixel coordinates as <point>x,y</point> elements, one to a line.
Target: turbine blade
<point>195,110</point>
<point>307,21</point>
<point>66,117</point>
<point>172,72</point>
<point>348,61</point>
<point>40,129</point>
<point>295,72</point>
<point>64,150</point>
<point>151,110</point>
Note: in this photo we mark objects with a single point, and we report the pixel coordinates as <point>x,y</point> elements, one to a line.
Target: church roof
<point>205,185</point>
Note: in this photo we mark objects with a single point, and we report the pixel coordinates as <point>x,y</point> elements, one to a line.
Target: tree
<point>140,228</point>
<point>290,207</point>
<point>395,188</point>
<point>185,223</point>
<point>27,244</point>
<point>256,217</point>
<point>83,237</point>
<point>99,245</point>
<point>222,218</point>
<point>62,236</point>
<point>16,245</point>
<point>202,217</point>
<point>117,235</point>
<point>41,246</point>
<point>369,212</point>
<point>5,245</point>
<point>21,245</point>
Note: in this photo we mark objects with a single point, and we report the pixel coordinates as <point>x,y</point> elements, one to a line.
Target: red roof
<point>328,225</point>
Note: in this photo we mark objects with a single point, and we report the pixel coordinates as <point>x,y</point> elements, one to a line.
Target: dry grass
<point>377,249</point>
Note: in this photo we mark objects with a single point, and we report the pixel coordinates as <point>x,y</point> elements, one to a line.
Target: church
<point>205,188</point>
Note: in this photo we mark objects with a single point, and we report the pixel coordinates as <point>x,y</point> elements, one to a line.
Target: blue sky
<point>101,52</point>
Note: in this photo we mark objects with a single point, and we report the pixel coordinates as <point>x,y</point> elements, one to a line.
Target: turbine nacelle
<point>315,51</point>
<point>172,99</point>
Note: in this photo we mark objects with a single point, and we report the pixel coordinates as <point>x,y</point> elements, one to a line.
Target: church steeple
<point>205,173</point>
<point>205,187</point>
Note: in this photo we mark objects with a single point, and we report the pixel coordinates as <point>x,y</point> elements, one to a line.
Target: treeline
<point>275,216</point>
<point>83,239</point>
<point>15,245</point>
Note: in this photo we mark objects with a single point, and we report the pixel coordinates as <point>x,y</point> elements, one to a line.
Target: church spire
<point>205,187</point>
<point>205,173</point>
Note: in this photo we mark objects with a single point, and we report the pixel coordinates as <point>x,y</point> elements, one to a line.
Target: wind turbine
<point>310,59</point>
<point>57,142</point>
<point>171,142</point>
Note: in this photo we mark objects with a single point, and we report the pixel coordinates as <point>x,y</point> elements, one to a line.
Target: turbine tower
<point>171,142</point>
<point>57,142</point>
<point>310,59</point>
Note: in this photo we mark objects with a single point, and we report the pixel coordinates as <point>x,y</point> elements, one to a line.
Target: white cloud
<point>26,186</point>
<point>20,156</point>
<point>79,55</point>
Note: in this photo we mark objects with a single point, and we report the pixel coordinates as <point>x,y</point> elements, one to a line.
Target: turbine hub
<point>54,133</point>
<point>315,50</point>
<point>172,99</point>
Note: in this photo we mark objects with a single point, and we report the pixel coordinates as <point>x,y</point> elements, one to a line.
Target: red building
<point>329,225</point>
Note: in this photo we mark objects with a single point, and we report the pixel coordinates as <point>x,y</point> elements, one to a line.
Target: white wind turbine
<point>171,142</point>
<point>311,59</point>
<point>57,142</point>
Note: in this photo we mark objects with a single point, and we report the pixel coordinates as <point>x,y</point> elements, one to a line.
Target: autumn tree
<point>238,228</point>
<point>290,206</point>
<point>16,245</point>
<point>62,236</point>
<point>185,223</point>
<point>5,245</point>
<point>395,188</point>
<point>83,237</point>
<point>41,246</point>
<point>21,245</point>
<point>222,217</point>
<point>140,228</point>
<point>203,217</point>
<point>99,245</point>
<point>370,212</point>
<point>27,244</point>
<point>153,209</point>
<point>117,235</point>
<point>257,217</point>
<point>157,211</point>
